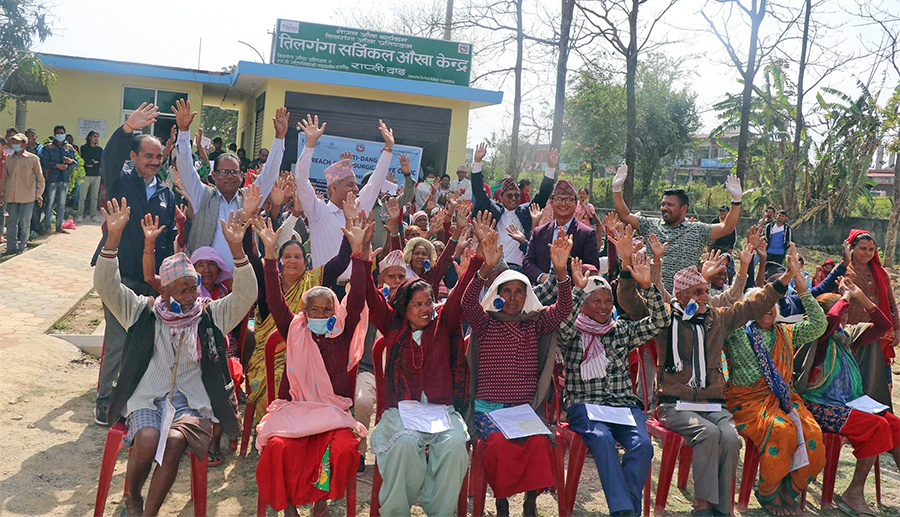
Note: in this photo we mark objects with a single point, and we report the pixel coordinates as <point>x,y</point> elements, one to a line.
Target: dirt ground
<point>83,318</point>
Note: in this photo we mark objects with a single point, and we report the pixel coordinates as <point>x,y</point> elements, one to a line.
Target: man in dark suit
<point>584,238</point>
<point>512,216</point>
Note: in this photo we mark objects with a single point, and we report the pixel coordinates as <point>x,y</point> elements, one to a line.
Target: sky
<point>206,35</point>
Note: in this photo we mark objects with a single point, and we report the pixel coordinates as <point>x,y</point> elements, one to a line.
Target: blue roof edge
<point>374,82</point>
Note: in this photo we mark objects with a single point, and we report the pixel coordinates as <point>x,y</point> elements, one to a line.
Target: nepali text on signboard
<point>365,158</point>
<point>369,52</point>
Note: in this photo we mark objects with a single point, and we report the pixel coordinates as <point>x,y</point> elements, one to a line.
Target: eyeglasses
<point>512,195</point>
<point>564,200</point>
<point>228,172</point>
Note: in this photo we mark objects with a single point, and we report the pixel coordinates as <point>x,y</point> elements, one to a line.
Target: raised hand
<point>345,155</point>
<point>405,169</point>
<point>640,269</point>
<point>794,261</point>
<point>534,210</point>
<point>490,250</point>
<point>753,236</point>
<point>733,186</point>
<point>279,192</point>
<point>746,255</point>
<point>184,117</point>
<point>386,133</point>
<point>713,265</point>
<point>262,227</point>
<point>351,208</point>
<point>480,152</point>
<point>252,200</point>
<point>847,252</point>
<point>151,227</point>
<point>358,232</point>
<point>559,255</point>
<point>312,130</point>
<point>578,278</point>
<point>181,214</point>
<point>392,223</point>
<point>622,236</point>
<point>553,158</point>
<point>234,230</point>
<point>280,121</point>
<point>142,117</point>
<point>610,221</point>
<point>658,248</point>
<point>515,233</point>
<point>619,179</point>
<point>460,216</point>
<point>391,177</point>
<point>116,215</point>
<point>464,259</point>
<point>482,225</point>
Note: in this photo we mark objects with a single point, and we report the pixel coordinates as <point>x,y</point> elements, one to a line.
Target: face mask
<point>60,138</point>
<point>263,160</point>
<point>429,180</point>
<point>321,326</point>
<point>16,147</point>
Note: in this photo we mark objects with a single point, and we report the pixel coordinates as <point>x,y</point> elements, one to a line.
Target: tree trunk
<point>517,98</point>
<point>890,243</point>
<point>631,61</point>
<point>794,160</point>
<point>591,182</point>
<point>744,138</point>
<point>562,68</point>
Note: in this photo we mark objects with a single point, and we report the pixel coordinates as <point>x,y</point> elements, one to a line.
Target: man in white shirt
<point>212,205</point>
<point>463,184</point>
<point>425,188</point>
<point>327,218</point>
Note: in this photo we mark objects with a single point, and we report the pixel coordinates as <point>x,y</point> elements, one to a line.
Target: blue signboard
<point>714,163</point>
<point>365,157</point>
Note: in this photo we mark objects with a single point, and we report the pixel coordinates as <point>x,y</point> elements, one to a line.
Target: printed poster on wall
<point>86,125</point>
<point>327,47</point>
<point>365,157</point>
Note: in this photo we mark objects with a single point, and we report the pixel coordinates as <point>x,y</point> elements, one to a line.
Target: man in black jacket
<point>136,181</point>
<point>513,217</point>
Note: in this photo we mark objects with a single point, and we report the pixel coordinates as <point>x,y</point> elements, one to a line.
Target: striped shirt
<point>615,388</point>
<point>508,351</point>
<point>127,306</point>
<point>686,242</point>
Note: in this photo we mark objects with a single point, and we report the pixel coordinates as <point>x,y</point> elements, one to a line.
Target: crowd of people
<point>433,306</point>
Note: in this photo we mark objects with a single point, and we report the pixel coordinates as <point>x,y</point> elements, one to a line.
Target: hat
<point>596,283</point>
<point>723,208</point>
<point>393,259</point>
<point>686,278</point>
<point>507,184</point>
<point>175,267</point>
<point>564,188</point>
<point>18,137</point>
<point>420,213</point>
<point>210,253</point>
<point>338,171</point>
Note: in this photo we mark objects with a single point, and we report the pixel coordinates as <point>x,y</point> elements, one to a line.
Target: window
<point>133,97</point>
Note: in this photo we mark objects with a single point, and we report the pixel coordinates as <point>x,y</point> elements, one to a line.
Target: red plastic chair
<point>114,444</point>
<point>250,408</point>
<point>271,395</point>
<point>380,400</point>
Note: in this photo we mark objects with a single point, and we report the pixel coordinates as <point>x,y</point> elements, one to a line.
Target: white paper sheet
<point>867,404</point>
<point>389,188</point>
<point>698,407</point>
<point>165,424</point>
<point>518,422</point>
<point>425,418</point>
<point>610,415</point>
<point>205,142</point>
<point>800,457</point>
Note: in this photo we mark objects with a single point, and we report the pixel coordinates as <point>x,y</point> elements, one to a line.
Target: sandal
<point>847,509</point>
<point>214,459</point>
<point>769,506</point>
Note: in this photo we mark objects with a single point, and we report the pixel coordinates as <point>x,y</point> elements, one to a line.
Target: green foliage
<point>220,122</point>
<point>22,23</point>
<point>595,120</point>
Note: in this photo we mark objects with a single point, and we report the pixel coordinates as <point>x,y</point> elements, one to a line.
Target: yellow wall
<point>456,150</point>
<point>82,94</point>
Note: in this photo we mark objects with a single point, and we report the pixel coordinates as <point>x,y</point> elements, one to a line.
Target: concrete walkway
<point>40,286</point>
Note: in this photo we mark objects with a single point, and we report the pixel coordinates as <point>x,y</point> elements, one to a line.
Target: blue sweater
<point>791,304</point>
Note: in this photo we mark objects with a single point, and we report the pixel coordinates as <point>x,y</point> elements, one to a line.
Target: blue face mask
<point>321,326</point>
<point>60,138</point>
<point>16,147</point>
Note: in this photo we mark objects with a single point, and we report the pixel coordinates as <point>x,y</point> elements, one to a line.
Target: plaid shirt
<point>615,388</point>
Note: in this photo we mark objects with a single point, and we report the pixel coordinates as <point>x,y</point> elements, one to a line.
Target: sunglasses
<point>512,195</point>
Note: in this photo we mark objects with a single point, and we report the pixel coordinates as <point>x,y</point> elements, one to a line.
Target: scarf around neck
<point>595,361</point>
<point>183,321</point>
<point>769,372</point>
<point>673,358</point>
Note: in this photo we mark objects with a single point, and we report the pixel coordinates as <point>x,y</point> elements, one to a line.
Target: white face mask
<point>60,138</point>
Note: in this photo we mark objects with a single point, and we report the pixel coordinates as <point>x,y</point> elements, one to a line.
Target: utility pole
<point>448,20</point>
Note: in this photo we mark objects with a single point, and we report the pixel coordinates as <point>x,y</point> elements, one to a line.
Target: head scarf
<point>884,292</point>
<point>210,253</point>
<point>564,188</point>
<point>420,213</point>
<point>314,407</point>
<point>408,253</point>
<point>686,278</point>
<point>338,171</point>
<point>175,267</point>
<point>531,300</point>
